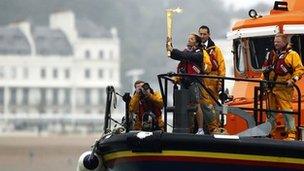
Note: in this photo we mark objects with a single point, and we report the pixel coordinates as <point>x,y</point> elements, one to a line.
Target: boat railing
<point>259,92</point>
<point>167,79</point>
<point>108,119</point>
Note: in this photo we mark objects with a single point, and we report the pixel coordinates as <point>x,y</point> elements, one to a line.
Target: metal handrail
<point>168,77</point>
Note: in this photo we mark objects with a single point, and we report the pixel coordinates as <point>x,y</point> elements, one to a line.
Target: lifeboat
<point>246,145</point>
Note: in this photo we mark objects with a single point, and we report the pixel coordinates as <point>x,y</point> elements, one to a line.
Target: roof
<point>51,42</point>
<point>294,15</point>
<point>13,42</point>
<point>275,19</point>
<point>88,29</point>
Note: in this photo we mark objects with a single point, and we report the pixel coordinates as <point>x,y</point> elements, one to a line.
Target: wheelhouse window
<point>239,55</point>
<point>297,44</point>
<point>259,47</point>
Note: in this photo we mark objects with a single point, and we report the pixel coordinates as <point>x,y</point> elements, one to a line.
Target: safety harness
<point>276,61</point>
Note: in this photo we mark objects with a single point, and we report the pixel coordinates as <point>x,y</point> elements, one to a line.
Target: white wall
<point>13,67</point>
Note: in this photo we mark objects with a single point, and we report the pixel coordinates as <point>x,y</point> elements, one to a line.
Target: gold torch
<point>169,14</point>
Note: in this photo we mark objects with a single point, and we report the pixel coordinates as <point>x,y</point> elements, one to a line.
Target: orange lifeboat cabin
<point>252,40</point>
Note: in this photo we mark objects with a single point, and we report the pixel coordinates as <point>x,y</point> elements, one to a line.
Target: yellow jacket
<point>213,84</point>
<point>206,63</point>
<point>155,99</point>
<point>153,102</point>
<point>217,53</point>
<point>293,60</point>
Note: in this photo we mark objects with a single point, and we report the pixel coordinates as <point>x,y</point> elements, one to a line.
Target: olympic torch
<point>169,14</point>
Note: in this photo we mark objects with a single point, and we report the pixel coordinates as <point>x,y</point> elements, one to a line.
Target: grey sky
<point>239,4</point>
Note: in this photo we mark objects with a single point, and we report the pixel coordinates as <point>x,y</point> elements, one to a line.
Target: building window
<point>87,94</point>
<point>67,73</point>
<point>87,73</point>
<point>13,99</point>
<point>55,96</point>
<point>25,73</point>
<point>25,96</point>
<point>87,54</point>
<point>67,96</point>
<point>43,96</point>
<point>42,105</point>
<point>2,96</point>
<point>100,73</point>
<point>55,73</point>
<point>101,54</point>
<point>42,73</point>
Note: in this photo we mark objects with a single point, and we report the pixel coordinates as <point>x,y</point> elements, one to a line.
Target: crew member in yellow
<point>283,65</point>
<point>211,117</point>
<point>146,104</point>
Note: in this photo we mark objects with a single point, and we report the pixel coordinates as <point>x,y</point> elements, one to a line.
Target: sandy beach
<point>47,153</point>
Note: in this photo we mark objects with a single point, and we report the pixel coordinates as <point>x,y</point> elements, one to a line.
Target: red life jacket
<point>278,61</point>
<point>281,68</point>
<point>186,67</point>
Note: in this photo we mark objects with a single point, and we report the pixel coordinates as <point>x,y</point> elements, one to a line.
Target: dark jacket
<point>194,57</point>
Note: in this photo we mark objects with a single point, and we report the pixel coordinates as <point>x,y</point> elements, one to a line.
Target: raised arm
<point>187,55</point>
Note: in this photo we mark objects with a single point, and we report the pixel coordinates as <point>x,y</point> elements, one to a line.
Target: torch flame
<point>177,10</point>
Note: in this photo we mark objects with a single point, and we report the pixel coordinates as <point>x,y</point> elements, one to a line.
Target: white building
<point>63,68</point>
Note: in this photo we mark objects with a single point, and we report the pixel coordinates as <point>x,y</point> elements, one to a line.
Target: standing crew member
<point>192,61</point>
<point>283,65</point>
<point>211,117</point>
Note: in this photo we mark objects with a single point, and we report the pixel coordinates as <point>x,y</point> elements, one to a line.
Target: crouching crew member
<point>146,105</point>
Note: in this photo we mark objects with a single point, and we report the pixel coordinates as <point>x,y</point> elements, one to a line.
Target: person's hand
<point>126,97</point>
<point>169,45</point>
<point>290,83</point>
